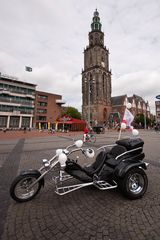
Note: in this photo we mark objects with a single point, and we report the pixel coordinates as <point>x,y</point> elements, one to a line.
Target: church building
<point>98,106</point>
<point>96,76</point>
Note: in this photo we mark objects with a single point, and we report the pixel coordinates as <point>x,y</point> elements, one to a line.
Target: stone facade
<point>97,104</point>
<point>96,76</point>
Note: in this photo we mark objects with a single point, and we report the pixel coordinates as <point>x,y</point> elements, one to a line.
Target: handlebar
<point>106,146</point>
<point>62,154</point>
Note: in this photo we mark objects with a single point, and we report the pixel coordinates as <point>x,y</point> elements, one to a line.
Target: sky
<point>50,36</point>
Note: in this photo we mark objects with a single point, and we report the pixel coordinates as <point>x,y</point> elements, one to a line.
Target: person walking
<point>86,131</point>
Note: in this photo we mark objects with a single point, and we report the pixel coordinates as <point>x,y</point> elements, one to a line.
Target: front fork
<point>47,167</point>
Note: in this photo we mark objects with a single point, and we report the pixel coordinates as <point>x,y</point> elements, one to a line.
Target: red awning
<point>71,121</point>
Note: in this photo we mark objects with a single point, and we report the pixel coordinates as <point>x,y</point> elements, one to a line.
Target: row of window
<point>17,89</point>
<point>43,97</point>
<point>24,101</point>
<point>25,110</point>
<point>42,104</point>
<point>41,110</point>
<point>41,118</point>
<point>14,121</point>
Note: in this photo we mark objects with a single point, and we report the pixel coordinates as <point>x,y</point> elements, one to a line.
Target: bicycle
<point>90,138</point>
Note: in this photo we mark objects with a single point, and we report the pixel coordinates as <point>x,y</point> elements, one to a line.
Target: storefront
<point>67,123</point>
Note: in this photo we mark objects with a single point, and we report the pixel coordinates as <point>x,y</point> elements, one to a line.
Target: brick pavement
<point>33,133</point>
<point>87,213</point>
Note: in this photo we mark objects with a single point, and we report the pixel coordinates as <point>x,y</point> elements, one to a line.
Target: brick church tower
<point>96,76</point>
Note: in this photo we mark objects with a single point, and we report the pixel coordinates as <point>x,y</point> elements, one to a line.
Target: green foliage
<point>140,119</point>
<point>73,112</point>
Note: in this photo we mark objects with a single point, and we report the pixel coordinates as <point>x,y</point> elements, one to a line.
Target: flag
<point>128,117</point>
<point>28,69</point>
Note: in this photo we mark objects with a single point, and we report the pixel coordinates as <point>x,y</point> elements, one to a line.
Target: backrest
<point>131,143</point>
<point>117,150</point>
<point>100,159</point>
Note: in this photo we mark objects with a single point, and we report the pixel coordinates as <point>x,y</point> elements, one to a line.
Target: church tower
<point>96,76</point>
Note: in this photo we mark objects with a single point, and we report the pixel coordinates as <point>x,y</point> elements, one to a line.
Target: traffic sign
<point>158,96</point>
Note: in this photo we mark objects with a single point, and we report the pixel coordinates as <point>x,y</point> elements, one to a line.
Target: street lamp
<point>145,123</point>
<point>89,81</point>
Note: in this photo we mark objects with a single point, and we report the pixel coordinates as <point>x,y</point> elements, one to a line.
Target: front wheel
<point>20,190</point>
<point>134,184</point>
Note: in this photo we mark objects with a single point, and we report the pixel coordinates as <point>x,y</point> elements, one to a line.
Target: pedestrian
<point>24,129</point>
<point>86,131</point>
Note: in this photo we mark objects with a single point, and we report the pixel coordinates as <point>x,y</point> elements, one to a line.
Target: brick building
<point>22,106</point>
<point>157,105</point>
<point>47,109</point>
<point>139,106</point>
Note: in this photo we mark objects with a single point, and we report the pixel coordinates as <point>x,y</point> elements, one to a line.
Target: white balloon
<point>59,151</point>
<point>123,125</point>
<point>129,105</point>
<point>62,159</point>
<point>135,132</point>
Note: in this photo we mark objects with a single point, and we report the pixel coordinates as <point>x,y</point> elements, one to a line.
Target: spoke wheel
<point>20,190</point>
<point>134,184</point>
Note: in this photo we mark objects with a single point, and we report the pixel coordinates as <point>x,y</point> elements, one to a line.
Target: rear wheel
<point>20,190</point>
<point>134,184</point>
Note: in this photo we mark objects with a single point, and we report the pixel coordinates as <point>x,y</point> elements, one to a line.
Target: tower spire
<point>96,24</point>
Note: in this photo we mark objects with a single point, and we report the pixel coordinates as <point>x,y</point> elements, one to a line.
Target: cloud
<point>51,80</point>
<point>143,83</point>
<point>50,37</point>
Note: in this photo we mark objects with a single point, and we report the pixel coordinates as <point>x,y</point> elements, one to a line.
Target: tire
<point>93,138</point>
<point>19,188</point>
<point>134,184</point>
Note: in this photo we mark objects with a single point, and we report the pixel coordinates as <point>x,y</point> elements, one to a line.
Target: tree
<point>73,112</point>
<point>140,120</point>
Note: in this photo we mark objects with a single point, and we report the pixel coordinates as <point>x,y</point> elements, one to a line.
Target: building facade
<point>96,76</point>
<point>17,101</point>
<point>47,109</point>
<point>139,106</point>
<point>22,106</point>
<point>157,105</point>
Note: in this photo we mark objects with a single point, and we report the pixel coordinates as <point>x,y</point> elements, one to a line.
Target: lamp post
<point>144,113</point>
<point>145,124</point>
<point>89,97</point>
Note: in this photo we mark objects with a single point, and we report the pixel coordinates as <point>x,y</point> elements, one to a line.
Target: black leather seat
<point>117,150</point>
<point>111,156</point>
<point>97,165</point>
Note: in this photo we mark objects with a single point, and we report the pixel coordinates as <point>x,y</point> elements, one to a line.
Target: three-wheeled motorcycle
<point>119,165</point>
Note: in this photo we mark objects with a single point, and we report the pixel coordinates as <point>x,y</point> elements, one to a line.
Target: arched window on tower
<point>91,82</point>
<point>97,89</point>
<point>91,62</point>
<point>104,86</point>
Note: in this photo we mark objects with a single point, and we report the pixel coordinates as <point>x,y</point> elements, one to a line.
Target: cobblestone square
<point>87,213</point>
